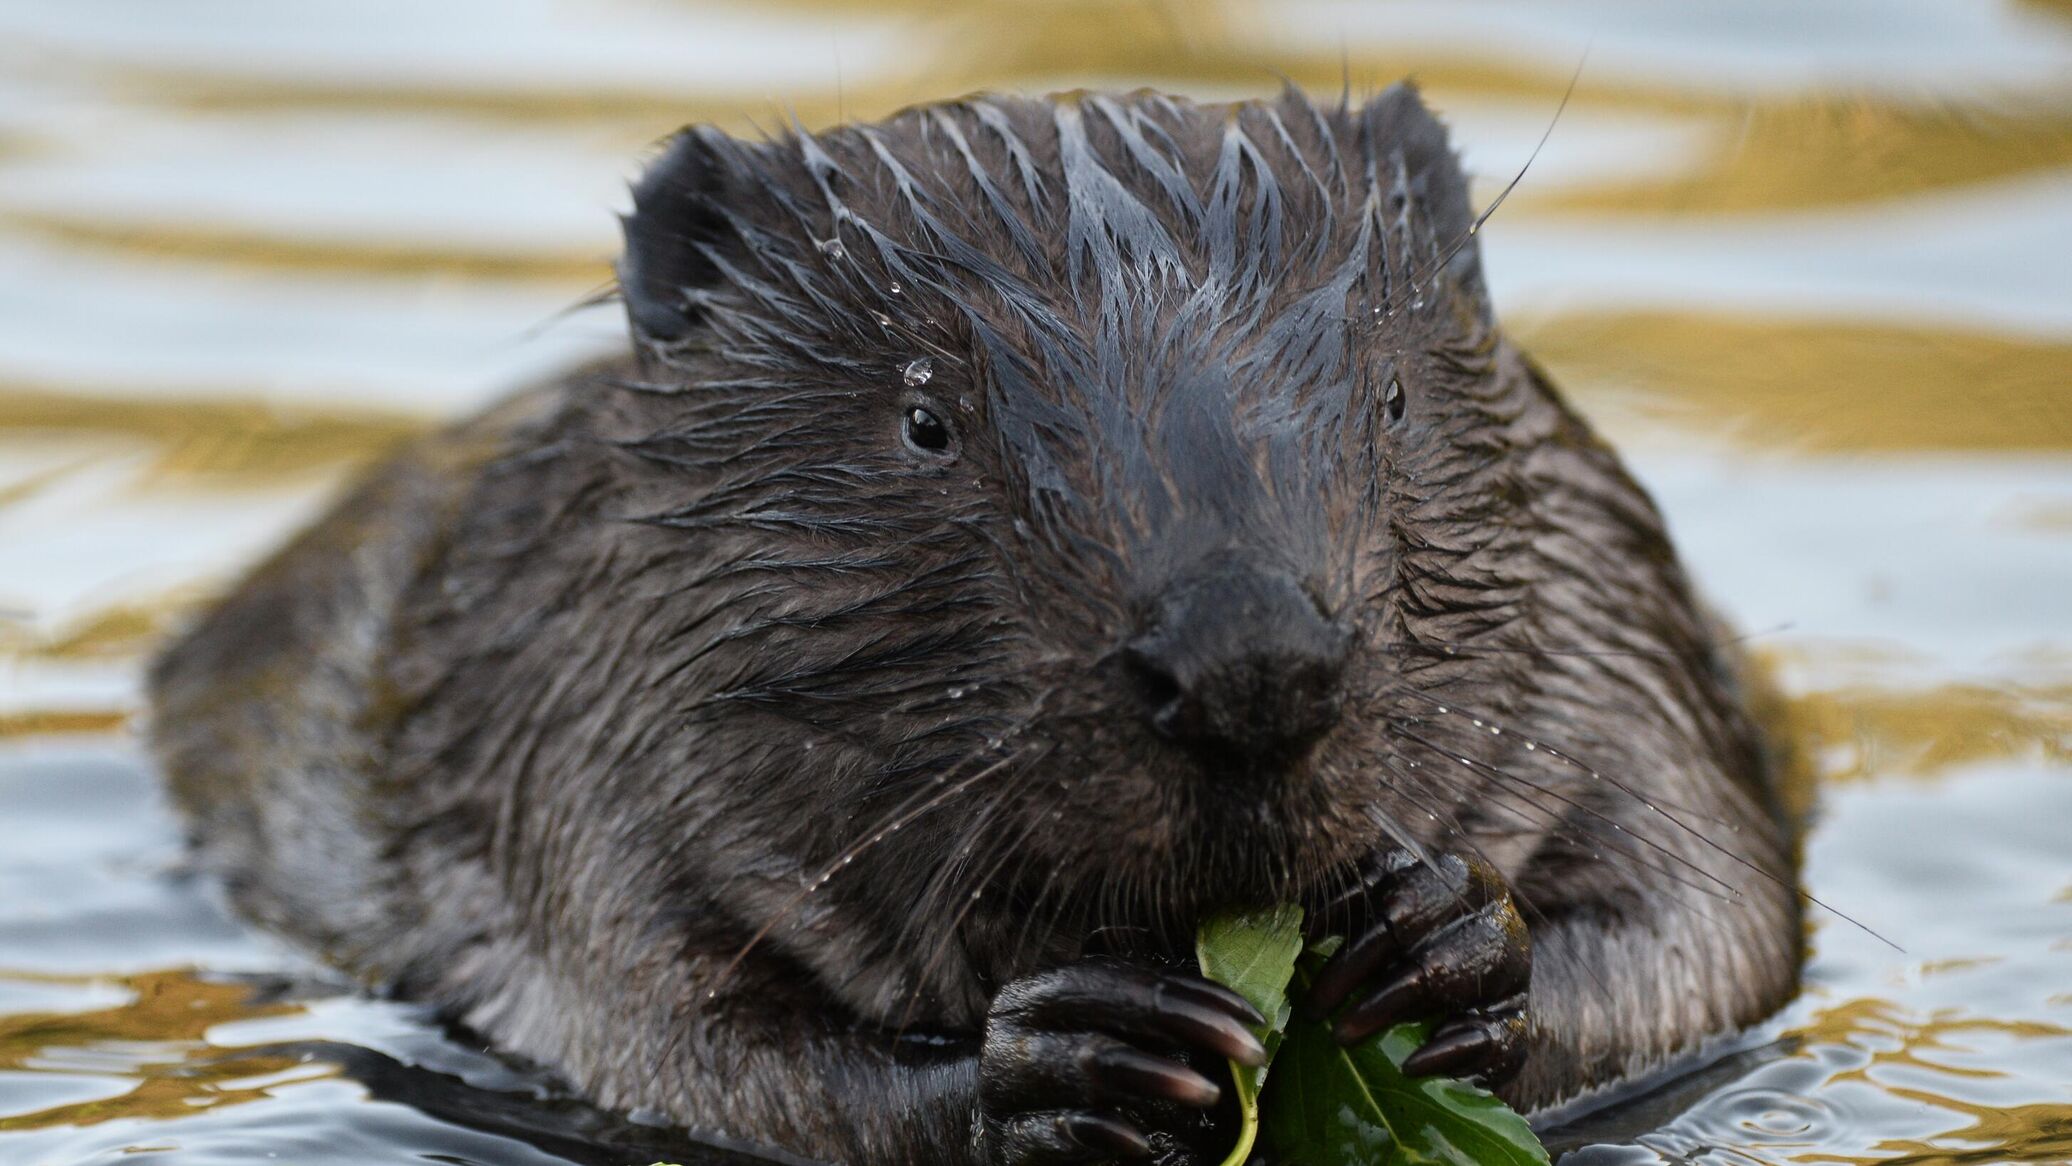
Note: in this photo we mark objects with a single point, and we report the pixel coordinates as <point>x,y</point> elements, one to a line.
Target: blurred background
<point>1809,265</point>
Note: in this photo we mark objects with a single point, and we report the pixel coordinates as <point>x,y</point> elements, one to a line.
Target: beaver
<point>1020,529</point>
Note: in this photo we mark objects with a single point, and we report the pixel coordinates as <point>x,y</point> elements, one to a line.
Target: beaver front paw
<point>1088,1062</point>
<point>1439,942</point>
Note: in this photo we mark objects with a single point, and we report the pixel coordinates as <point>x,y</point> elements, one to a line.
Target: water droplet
<point>894,288</point>
<point>917,372</point>
<point>957,693</point>
<point>1477,724</point>
<point>1442,708</point>
<point>1531,746</point>
<point>1495,732</point>
<point>884,321</point>
<point>833,249</point>
<point>1417,305</point>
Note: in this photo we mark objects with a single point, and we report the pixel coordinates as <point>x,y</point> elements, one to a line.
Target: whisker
<point>1500,774</point>
<point>1526,906</point>
<point>1452,649</point>
<point>1401,783</point>
<point>598,296</point>
<point>1051,881</point>
<point>849,855</point>
<point>1656,807</point>
<point>1588,834</point>
<point>1439,261</point>
<point>1006,853</point>
<point>1448,707</point>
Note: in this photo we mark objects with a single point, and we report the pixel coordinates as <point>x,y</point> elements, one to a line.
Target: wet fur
<point>677,726</point>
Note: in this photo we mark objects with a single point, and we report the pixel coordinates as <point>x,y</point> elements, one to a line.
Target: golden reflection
<point>219,437</point>
<point>1948,967</point>
<point>157,1038</point>
<point>2010,1133</point>
<point>2058,8</point>
<point>1859,1022</point>
<point>54,722</point>
<point>112,633</point>
<point>27,487</point>
<point>1868,1022</point>
<point>239,247</point>
<point>1819,385</point>
<point>1854,733</point>
<point>1825,149</point>
<point>1920,1042</point>
<point>1893,1037</point>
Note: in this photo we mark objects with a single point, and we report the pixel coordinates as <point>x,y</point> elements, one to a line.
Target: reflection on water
<point>1807,263</point>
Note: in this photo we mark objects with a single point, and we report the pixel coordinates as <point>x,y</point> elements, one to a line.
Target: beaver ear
<point>1396,124</point>
<point>676,224</point>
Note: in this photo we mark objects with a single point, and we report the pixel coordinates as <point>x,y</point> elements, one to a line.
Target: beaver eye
<point>1393,402</point>
<point>925,431</point>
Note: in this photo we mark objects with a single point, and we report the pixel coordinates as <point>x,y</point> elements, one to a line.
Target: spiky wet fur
<point>679,726</point>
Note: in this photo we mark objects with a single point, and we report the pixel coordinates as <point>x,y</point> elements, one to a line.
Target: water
<point>1807,264</point>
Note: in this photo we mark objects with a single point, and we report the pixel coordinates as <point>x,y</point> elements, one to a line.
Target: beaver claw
<point>1440,942</point>
<point>1089,1062</point>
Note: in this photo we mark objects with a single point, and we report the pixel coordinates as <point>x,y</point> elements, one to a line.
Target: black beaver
<point>1020,529</point>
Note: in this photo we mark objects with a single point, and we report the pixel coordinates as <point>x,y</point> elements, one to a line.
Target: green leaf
<point>1334,1106</point>
<point>1331,1106</point>
<point>1254,956</point>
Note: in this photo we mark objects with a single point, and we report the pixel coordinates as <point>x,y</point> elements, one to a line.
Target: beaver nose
<point>1240,667</point>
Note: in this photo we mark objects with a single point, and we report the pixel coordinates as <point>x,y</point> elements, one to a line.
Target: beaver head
<point>1048,516</point>
<point>1094,471</point>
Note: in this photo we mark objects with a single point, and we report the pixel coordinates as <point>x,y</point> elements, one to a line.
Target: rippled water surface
<point>1809,264</point>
